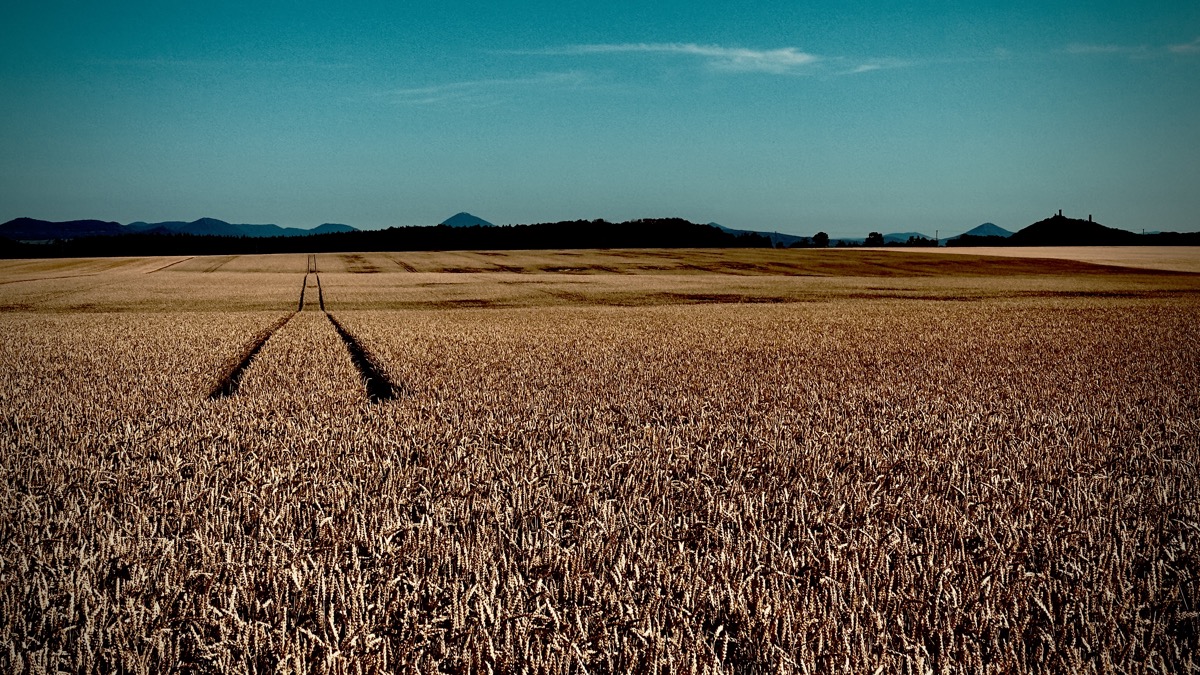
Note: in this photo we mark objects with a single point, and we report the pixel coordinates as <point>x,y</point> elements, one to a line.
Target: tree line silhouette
<point>643,233</point>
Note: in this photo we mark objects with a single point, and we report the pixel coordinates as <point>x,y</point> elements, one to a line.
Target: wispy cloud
<point>779,61</point>
<point>1083,49</point>
<point>1192,47</point>
<point>878,64</point>
<point>1134,51</point>
<point>481,92</point>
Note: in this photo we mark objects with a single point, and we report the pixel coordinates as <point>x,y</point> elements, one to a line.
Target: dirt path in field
<point>378,386</point>
<point>232,373</point>
<point>303,285</point>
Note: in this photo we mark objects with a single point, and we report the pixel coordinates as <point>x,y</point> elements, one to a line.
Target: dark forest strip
<point>647,233</point>
<point>379,388</point>
<point>232,377</point>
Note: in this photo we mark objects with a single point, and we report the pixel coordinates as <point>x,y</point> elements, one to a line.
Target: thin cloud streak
<point>782,61</point>
<point>878,64</point>
<point>1192,47</point>
<point>1089,49</point>
<point>1133,51</point>
<point>777,61</point>
<point>480,91</point>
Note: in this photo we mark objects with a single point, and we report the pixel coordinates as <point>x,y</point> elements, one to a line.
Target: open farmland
<point>658,461</point>
<point>1175,258</point>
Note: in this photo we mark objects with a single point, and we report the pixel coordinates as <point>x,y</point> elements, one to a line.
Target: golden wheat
<point>1001,485</point>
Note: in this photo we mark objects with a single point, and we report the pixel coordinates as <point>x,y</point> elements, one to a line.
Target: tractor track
<point>402,265</point>
<point>66,276</point>
<point>379,387</point>
<point>227,385</point>
<point>159,269</point>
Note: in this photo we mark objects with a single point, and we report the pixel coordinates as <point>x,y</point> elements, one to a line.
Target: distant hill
<point>1058,230</point>
<point>986,230</point>
<point>775,237</point>
<point>465,219</point>
<point>326,228</point>
<point>29,229</point>
<point>208,227</point>
<point>212,227</point>
<point>903,237</point>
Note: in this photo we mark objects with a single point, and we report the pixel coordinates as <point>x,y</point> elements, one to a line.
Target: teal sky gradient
<point>796,117</point>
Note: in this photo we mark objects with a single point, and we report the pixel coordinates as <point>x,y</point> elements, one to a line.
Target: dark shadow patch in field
<point>570,296</point>
<point>320,293</point>
<point>667,298</point>
<point>467,303</point>
<point>220,262</point>
<point>463,270</point>
<point>1158,293</point>
<point>714,298</point>
<point>1002,294</point>
<point>232,373</point>
<point>729,267</point>
<point>356,264</point>
<point>403,265</point>
<point>913,296</point>
<point>379,388</point>
<point>537,282</point>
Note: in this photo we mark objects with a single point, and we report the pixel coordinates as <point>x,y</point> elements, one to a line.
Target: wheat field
<point>613,461</point>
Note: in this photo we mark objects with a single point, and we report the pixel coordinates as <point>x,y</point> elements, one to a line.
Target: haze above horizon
<point>834,116</point>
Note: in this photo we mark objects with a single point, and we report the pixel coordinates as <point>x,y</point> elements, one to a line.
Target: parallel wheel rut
<point>379,387</point>
<point>227,385</point>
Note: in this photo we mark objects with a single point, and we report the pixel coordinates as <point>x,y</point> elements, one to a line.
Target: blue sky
<point>837,116</point>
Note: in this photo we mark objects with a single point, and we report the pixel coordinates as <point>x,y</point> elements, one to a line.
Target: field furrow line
<point>227,385</point>
<point>379,387</point>
<point>68,276</point>
<point>159,269</point>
